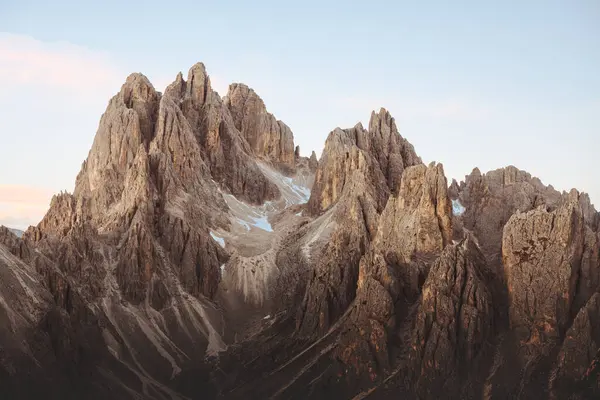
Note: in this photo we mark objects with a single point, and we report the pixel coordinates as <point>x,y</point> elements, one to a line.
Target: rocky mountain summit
<point>200,256</point>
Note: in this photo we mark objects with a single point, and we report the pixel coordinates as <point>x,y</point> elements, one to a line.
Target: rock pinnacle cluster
<point>201,256</point>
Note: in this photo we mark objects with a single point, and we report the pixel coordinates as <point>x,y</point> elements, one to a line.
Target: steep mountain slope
<point>200,256</point>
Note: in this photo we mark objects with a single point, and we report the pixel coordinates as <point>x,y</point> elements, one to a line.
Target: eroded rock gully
<point>202,256</point>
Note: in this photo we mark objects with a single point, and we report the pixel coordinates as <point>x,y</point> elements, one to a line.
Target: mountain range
<point>200,256</point>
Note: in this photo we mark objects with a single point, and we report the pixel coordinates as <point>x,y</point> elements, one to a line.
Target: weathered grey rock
<point>128,258</point>
<point>453,190</point>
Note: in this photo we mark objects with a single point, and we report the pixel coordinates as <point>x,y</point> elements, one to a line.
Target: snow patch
<point>248,215</point>
<point>218,239</point>
<point>301,191</point>
<point>457,208</point>
<point>299,214</point>
<point>263,223</point>
<point>267,316</point>
<point>294,190</point>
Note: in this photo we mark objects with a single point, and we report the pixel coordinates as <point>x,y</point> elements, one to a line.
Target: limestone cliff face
<point>268,137</point>
<point>390,152</point>
<point>542,259</point>
<point>24,306</point>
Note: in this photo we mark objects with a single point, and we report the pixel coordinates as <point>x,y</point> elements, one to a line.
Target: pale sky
<point>469,84</point>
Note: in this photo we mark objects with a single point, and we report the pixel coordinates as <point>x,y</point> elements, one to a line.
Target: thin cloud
<point>453,108</point>
<point>27,61</point>
<point>21,206</point>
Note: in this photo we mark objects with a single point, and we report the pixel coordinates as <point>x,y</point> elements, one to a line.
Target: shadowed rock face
<point>454,322</point>
<point>578,363</point>
<point>186,264</point>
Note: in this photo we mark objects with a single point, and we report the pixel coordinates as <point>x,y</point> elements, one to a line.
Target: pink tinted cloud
<point>21,206</point>
<point>25,60</point>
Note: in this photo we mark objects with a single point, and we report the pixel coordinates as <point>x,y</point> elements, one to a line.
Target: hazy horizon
<point>477,86</point>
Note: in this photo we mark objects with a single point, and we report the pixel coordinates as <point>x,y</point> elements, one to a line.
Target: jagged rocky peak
<point>392,151</point>
<point>268,137</point>
<point>490,199</point>
<point>130,286</point>
<point>126,126</point>
<point>226,152</point>
<point>297,152</point>
<point>140,95</point>
<point>313,162</point>
<point>336,241</point>
<point>343,157</point>
<point>454,189</point>
<point>198,86</point>
<point>327,186</point>
<point>197,89</point>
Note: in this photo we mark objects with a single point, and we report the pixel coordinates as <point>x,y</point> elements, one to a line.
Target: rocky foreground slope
<point>200,256</point>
